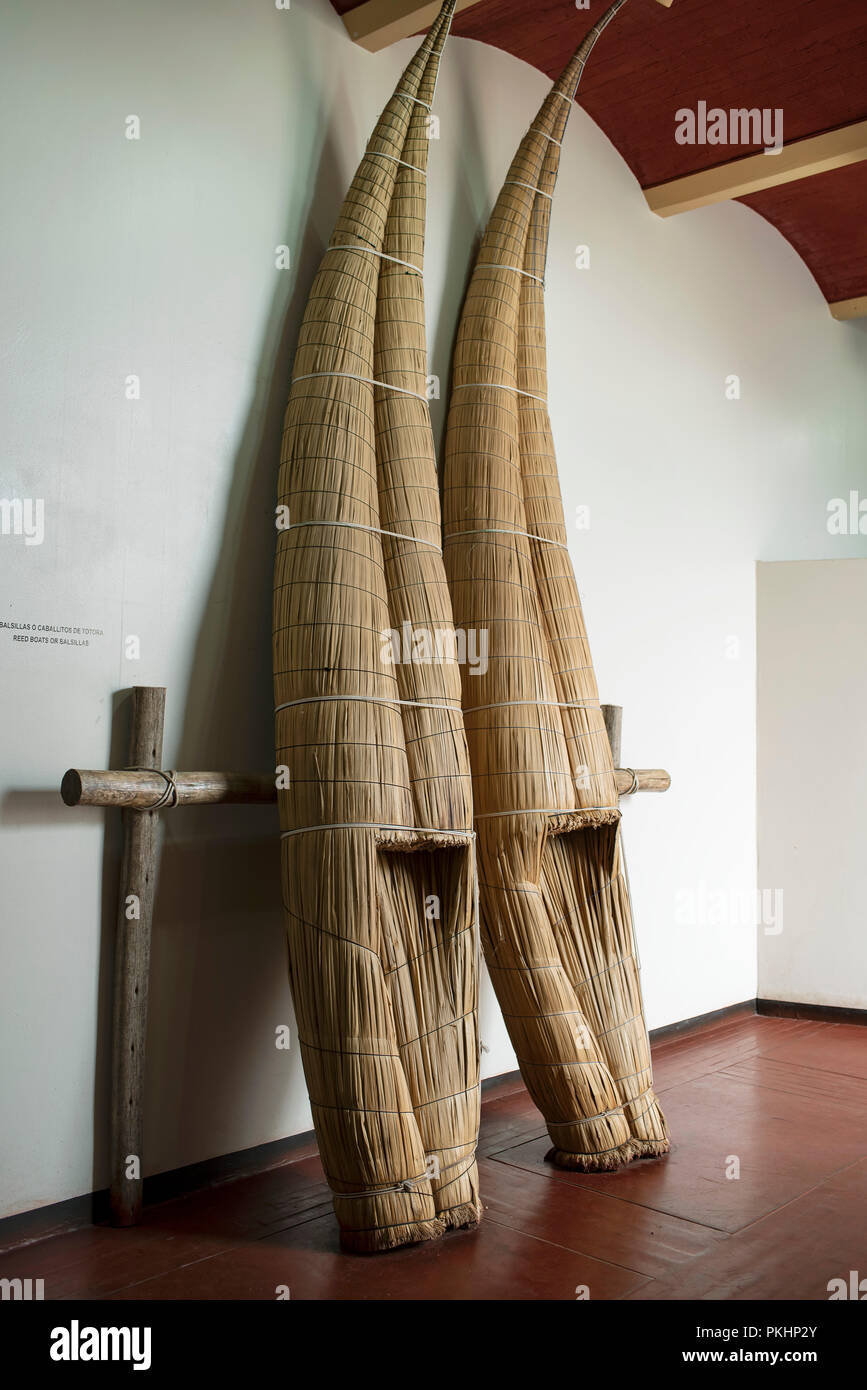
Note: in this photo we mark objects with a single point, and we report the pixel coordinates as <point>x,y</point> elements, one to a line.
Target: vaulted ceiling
<point>804,58</point>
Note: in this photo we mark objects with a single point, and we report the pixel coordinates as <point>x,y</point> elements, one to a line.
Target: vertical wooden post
<point>132,964</point>
<point>613,716</point>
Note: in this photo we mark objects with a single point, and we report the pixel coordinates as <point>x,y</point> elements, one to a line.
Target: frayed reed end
<point>390,1237</point>
<point>563,822</point>
<point>608,1162</point>
<point>406,842</point>
<point>463,1216</point>
<point>591,1163</point>
<point>651,1148</point>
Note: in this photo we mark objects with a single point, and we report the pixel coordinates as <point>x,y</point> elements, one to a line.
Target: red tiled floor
<point>509,1121</point>
<point>836,1047</point>
<point>491,1262</point>
<point>806,1082</point>
<point>784,1145</point>
<point>95,1260</point>
<point>792,1254</point>
<point>787,1097</point>
<point>649,1242</point>
<point>683,1058</point>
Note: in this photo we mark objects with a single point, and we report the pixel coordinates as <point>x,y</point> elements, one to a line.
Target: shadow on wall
<point>219,974</point>
<point>44,808</point>
<point>469,214</point>
<point>112,851</point>
<point>215,1080</point>
<point>218,989</point>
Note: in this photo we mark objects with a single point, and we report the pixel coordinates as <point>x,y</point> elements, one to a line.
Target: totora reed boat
<point>376,819</point>
<point>556,918</point>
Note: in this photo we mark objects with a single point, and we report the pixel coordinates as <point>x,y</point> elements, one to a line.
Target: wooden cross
<point>142,790</point>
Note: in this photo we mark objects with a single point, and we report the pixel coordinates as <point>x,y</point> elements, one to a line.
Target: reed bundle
<point>377,857</point>
<point>555,909</point>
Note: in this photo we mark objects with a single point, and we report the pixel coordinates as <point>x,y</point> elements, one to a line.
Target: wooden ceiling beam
<point>815,155</point>
<point>377,23</point>
<point>844,309</point>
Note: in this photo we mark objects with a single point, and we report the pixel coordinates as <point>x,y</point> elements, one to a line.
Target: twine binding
<point>359,526</point>
<point>371,251</point>
<point>367,380</point>
<point>168,798</point>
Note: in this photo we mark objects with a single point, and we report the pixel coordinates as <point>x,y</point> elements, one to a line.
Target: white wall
<point>812,752</point>
<point>156,257</point>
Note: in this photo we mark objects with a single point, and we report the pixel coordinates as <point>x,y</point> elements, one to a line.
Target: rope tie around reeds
<point>603,1114</point>
<point>556,920</point>
<point>428,106</point>
<point>379,826</point>
<point>519,183</point>
<point>371,251</point>
<point>493,265</point>
<point>381,154</point>
<point>376,820</point>
<point>539,704</point>
<point>366,699</point>
<point>405,1186</point>
<point>357,526</point>
<point>496,386</point>
<point>500,531</point>
<point>368,381</point>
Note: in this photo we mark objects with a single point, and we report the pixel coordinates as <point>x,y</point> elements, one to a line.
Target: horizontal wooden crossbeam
<point>844,309</point>
<point>140,790</point>
<point>378,23</point>
<point>816,155</point>
<point>143,791</point>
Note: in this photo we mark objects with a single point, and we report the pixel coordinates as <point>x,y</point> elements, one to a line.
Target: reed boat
<point>556,919</point>
<point>376,820</point>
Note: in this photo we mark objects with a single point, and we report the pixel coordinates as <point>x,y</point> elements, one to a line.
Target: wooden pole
<point>613,716</point>
<point>143,790</point>
<point>641,779</point>
<point>132,964</point>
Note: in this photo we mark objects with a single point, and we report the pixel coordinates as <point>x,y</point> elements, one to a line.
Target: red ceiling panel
<point>825,219</point>
<point>808,57</point>
<point>805,57</point>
